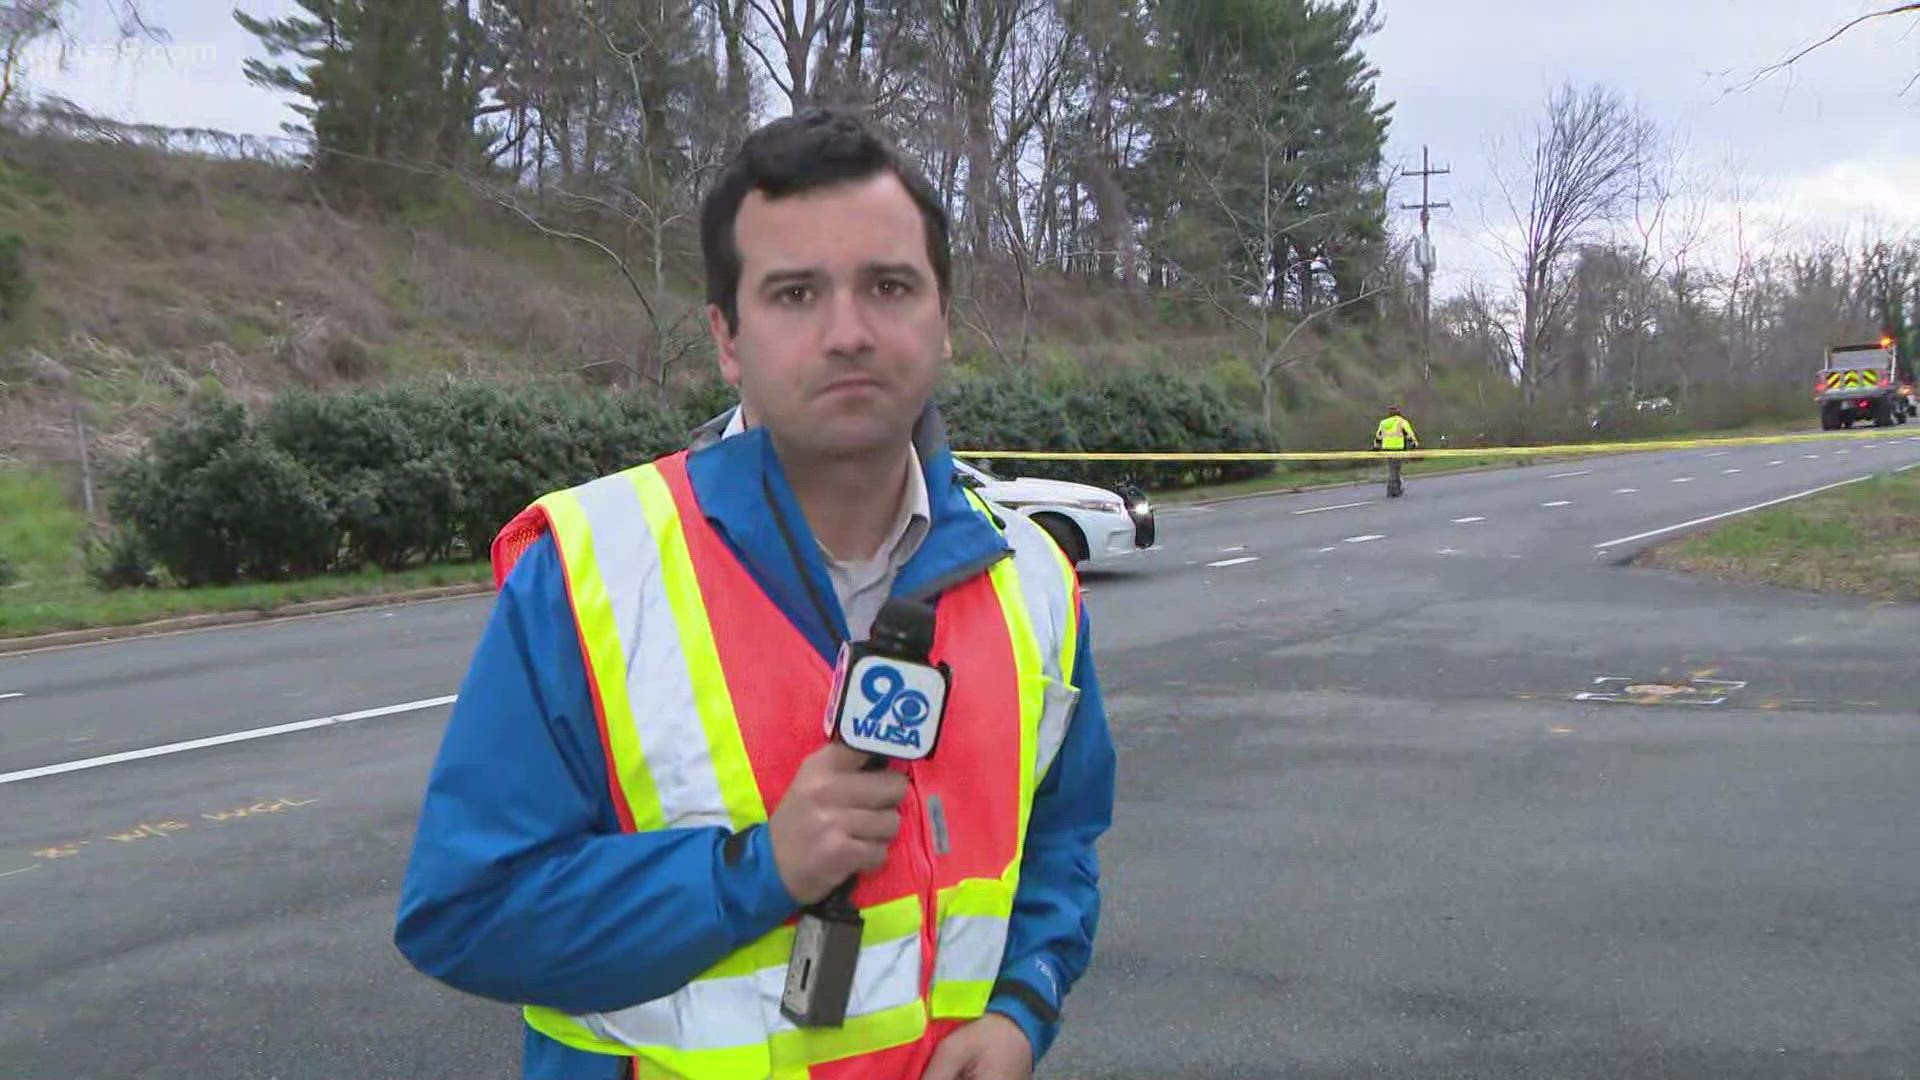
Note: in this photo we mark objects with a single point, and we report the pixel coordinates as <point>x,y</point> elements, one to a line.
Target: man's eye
<point>893,287</point>
<point>794,294</point>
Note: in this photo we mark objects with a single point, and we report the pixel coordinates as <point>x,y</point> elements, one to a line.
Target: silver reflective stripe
<point>887,977</point>
<point>740,1010</point>
<point>971,948</point>
<point>659,689</point>
<point>1042,584</point>
<point>705,1014</point>
<point>1043,587</point>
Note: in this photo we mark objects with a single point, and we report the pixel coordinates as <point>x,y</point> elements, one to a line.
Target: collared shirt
<point>863,585</point>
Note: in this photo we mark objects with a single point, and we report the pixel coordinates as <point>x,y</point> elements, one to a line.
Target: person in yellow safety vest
<point>1394,434</point>
<point>635,796</point>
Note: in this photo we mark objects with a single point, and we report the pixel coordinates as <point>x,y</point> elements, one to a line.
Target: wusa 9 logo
<point>897,709</point>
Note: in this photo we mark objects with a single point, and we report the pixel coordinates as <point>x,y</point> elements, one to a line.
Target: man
<point>1394,434</point>
<point>635,795</point>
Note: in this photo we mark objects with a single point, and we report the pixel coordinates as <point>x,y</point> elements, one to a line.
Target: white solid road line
<point>1364,539</point>
<point>223,740</point>
<point>1236,562</point>
<point>1565,475</point>
<point>1911,465</point>
<point>1342,506</point>
<point>1467,520</point>
<point>1558,502</point>
<point>1731,513</point>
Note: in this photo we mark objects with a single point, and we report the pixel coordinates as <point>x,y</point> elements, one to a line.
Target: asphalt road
<point>1382,811</point>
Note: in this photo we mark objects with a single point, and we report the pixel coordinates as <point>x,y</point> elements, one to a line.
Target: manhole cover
<point>1621,690</point>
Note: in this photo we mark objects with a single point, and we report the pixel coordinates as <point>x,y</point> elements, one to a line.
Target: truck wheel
<point>1829,419</point>
<point>1883,413</point>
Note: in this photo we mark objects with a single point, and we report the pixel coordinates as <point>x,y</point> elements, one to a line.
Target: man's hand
<point>991,1048</point>
<point>834,821</point>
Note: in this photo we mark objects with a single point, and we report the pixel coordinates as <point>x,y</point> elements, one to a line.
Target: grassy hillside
<point>154,273</point>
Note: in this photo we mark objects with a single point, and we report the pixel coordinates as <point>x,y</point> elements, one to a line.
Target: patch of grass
<point>40,534</point>
<point>75,605</point>
<point>1863,539</point>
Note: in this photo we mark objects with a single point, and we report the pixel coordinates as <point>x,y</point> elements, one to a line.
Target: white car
<point>1089,523</point>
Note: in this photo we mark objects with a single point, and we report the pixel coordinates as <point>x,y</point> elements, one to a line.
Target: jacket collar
<point>744,493</point>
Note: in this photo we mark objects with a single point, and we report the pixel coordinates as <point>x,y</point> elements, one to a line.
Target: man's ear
<point>723,345</point>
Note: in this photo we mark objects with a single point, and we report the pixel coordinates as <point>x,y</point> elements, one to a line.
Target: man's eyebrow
<point>789,276</point>
<point>894,269</point>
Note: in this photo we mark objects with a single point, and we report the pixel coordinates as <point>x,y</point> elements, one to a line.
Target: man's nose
<point>847,331</point>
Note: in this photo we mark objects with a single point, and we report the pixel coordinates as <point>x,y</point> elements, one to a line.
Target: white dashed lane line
<point>1235,562</point>
<point>1626,491</point>
<point>1773,463</point>
<point>1730,513</point>
<point>1683,479</point>
<point>1364,539</point>
<point>1342,506</point>
<point>1557,502</point>
<point>1468,520</point>
<point>1728,472</point>
<point>1811,457</point>
<point>1566,475</point>
<point>1324,550</point>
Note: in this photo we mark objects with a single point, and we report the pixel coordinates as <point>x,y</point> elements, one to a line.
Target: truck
<point>1869,381</point>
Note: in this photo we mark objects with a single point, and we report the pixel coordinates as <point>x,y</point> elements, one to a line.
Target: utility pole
<point>1424,255</point>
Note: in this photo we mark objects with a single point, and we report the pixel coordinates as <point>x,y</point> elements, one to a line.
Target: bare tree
<point>1581,168</point>
<point>25,22</point>
<point>1912,8</point>
<point>794,25</point>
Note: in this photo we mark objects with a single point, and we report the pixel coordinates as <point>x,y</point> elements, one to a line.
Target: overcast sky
<point>1822,149</point>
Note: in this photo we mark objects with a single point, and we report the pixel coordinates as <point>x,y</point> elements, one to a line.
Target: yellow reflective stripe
<point>731,766</point>
<point>593,612</point>
<point>975,916</point>
<point>1070,627</point>
<point>744,993</point>
<point>795,1049</point>
<point>753,1059</point>
<point>1030,677</point>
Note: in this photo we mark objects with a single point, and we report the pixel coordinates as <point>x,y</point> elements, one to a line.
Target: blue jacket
<point>521,887</point>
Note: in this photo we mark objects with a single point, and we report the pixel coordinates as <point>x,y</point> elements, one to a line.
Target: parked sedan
<point>1089,523</point>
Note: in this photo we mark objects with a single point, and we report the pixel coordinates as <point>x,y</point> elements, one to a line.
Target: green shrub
<point>214,503</point>
<point>16,281</point>
<point>118,559</point>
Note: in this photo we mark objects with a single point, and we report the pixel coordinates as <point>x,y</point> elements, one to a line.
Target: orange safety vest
<point>732,699</point>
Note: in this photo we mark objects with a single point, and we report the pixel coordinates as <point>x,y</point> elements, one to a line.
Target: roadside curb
<point>211,620</point>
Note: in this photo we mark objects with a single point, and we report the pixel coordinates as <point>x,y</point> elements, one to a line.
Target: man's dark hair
<point>810,150</point>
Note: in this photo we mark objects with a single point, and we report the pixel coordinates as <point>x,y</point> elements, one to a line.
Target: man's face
<point>841,332</point>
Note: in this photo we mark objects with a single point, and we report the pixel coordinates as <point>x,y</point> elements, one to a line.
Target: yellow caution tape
<point>1562,450</point>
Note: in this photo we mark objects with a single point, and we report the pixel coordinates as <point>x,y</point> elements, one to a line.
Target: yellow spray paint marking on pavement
<point>166,828</point>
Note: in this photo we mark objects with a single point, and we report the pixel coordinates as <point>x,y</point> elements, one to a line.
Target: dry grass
<point>1862,540</point>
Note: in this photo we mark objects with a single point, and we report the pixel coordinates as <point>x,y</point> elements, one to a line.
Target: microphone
<point>888,697</point>
<point>889,700</point>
